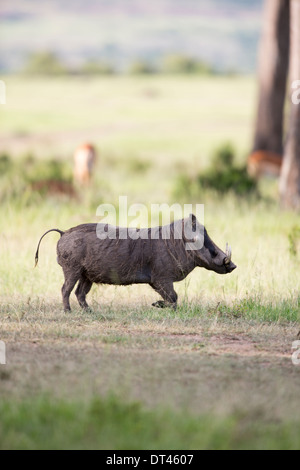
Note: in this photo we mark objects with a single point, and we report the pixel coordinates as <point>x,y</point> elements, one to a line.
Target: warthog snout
<point>229,265</point>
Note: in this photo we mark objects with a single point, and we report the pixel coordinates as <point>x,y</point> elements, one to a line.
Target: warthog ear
<point>189,228</point>
<point>193,220</point>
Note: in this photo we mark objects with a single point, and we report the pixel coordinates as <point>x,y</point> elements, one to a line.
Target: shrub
<point>180,64</point>
<point>52,169</point>
<point>26,178</point>
<point>6,164</point>
<point>140,67</point>
<point>97,68</point>
<point>222,176</point>
<point>44,63</point>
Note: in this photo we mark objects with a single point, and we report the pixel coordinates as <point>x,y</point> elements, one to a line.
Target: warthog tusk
<point>228,252</point>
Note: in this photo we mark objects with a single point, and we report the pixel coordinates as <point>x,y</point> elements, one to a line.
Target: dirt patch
<point>244,346</point>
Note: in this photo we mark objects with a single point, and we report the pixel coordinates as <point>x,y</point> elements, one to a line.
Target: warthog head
<point>205,252</point>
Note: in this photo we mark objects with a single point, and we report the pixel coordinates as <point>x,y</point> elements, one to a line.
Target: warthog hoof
<point>162,304</point>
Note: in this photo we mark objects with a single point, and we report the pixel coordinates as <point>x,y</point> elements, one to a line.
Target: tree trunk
<point>273,68</point>
<point>290,174</point>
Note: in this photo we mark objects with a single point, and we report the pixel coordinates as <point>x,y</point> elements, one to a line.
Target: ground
<point>214,365</point>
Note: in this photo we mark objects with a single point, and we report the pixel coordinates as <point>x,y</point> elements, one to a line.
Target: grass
<point>109,423</point>
<point>132,377</point>
<point>210,376</point>
<point>216,373</point>
<point>150,116</point>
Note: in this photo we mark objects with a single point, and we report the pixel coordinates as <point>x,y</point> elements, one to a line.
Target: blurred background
<point>155,88</point>
<point>163,102</point>
<point>124,33</point>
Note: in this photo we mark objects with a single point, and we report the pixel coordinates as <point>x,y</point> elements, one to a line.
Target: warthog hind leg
<point>83,288</point>
<point>70,281</point>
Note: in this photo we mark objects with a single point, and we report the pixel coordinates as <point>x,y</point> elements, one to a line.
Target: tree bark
<point>273,69</point>
<point>290,175</point>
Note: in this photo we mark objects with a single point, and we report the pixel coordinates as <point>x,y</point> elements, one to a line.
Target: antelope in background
<point>264,163</point>
<point>84,160</point>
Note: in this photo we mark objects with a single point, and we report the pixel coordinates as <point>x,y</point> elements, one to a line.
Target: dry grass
<point>203,363</point>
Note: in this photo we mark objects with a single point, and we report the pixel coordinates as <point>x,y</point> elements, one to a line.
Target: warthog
<point>159,257</point>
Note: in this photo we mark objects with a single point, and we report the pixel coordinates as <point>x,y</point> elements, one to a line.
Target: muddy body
<point>85,258</point>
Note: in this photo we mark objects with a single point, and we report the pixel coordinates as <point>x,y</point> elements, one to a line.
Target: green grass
<point>128,376</point>
<point>150,116</point>
<point>257,232</point>
<point>111,424</point>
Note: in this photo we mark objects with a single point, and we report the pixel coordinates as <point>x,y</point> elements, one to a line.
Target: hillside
<point>225,34</point>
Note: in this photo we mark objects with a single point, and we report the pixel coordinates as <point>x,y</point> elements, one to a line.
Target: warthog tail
<point>37,251</point>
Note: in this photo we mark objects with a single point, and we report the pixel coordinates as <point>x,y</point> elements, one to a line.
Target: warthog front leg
<point>168,294</point>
